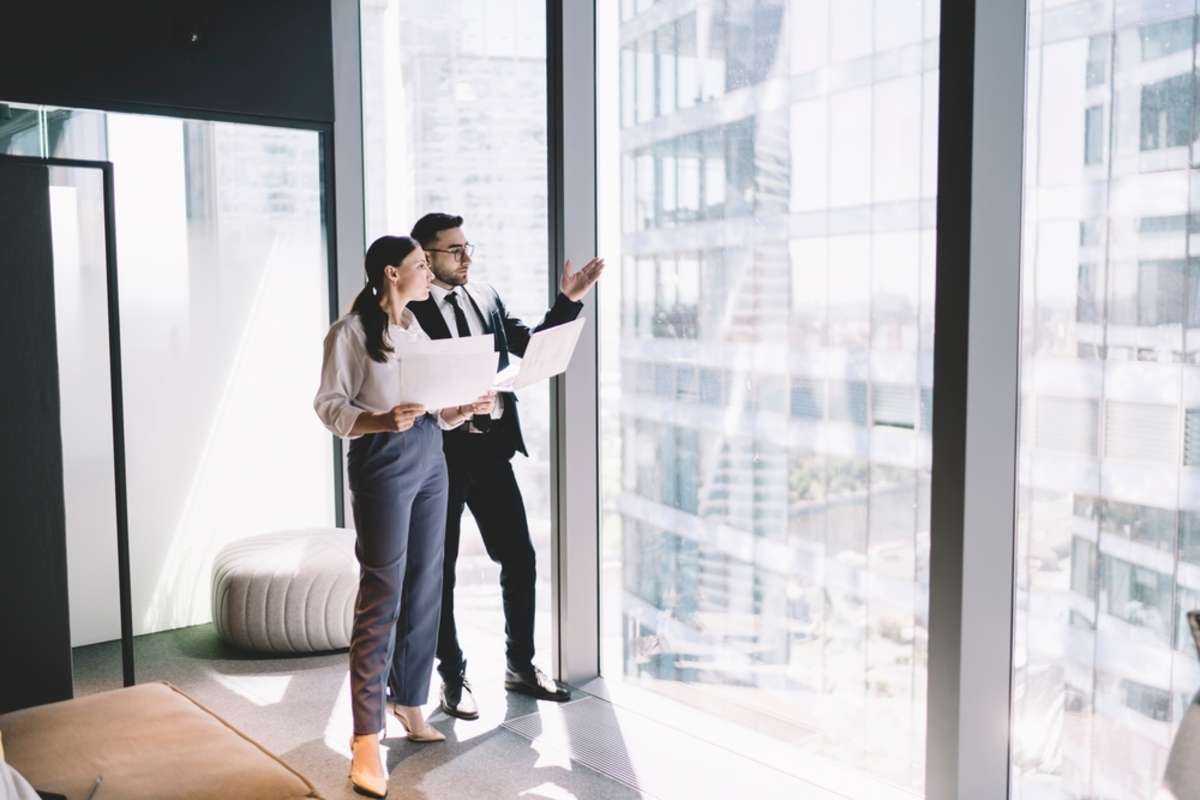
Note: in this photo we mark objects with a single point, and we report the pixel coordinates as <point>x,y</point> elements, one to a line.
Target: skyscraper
<point>1107,562</point>
<point>778,196</point>
<point>775,371</point>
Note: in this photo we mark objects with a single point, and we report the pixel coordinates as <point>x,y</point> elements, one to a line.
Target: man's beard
<point>453,279</point>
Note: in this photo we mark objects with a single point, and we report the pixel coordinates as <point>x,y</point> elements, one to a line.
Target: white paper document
<point>548,354</point>
<point>446,372</point>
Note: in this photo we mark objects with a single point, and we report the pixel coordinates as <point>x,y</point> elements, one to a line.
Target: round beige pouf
<point>286,592</point>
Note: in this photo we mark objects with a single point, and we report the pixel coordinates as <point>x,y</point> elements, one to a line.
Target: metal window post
<point>575,430</point>
<point>349,213</point>
<point>976,363</point>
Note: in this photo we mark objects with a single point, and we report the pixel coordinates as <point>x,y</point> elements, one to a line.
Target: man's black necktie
<point>480,421</point>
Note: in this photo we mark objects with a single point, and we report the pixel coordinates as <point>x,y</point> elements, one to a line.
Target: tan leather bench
<point>146,741</point>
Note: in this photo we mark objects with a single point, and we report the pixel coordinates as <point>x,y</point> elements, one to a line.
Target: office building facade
<point>778,195</point>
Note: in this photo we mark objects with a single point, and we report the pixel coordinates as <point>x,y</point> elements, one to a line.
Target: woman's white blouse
<point>352,382</point>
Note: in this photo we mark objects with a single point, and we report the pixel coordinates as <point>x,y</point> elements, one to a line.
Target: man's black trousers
<point>482,480</point>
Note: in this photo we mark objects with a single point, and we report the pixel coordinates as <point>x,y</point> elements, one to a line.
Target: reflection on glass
<point>223,304</point>
<point>20,130</point>
<point>81,316</point>
<point>766,352</point>
<point>1105,668</point>
<point>454,120</point>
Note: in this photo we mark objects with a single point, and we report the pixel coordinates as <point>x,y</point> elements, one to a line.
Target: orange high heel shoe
<point>368,779</point>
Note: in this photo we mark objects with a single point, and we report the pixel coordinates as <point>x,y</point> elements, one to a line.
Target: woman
<point>398,479</point>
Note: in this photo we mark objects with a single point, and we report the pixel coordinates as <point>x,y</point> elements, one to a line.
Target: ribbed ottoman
<point>286,592</point>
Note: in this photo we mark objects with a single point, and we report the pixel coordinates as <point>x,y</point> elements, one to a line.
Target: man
<point>478,456</point>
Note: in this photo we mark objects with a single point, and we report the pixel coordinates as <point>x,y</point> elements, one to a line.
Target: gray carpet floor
<point>299,708</point>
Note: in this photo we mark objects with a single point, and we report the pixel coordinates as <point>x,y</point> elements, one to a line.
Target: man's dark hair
<point>430,225</point>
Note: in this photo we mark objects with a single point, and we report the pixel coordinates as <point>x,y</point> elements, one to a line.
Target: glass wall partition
<point>224,280</point>
<point>768,179</point>
<point>1104,665</point>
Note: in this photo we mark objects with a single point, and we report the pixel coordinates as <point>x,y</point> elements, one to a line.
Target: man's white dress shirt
<point>474,324</point>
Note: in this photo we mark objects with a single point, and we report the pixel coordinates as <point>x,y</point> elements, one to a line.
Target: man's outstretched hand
<point>575,285</point>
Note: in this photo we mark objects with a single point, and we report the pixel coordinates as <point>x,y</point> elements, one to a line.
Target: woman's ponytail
<point>383,252</point>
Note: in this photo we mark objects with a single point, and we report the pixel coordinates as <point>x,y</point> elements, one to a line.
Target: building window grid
<point>1097,63</point>
<point>1149,701</point>
<point>686,179</point>
<point>1178,534</point>
<point>1167,112</point>
<point>1099,428</point>
<point>862,402</point>
<point>1187,599</point>
<point>1160,599</point>
<point>1092,311</point>
<point>743,48</point>
<point>730,190</point>
<point>1116,420</point>
<point>1161,39</point>
<point>1094,135</point>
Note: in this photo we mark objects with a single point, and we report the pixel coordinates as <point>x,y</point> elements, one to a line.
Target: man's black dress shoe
<point>457,700</point>
<point>535,683</point>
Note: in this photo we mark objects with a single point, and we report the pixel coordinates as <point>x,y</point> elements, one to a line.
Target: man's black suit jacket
<point>512,336</point>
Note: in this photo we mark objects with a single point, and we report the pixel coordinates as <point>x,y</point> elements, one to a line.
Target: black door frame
<point>116,397</point>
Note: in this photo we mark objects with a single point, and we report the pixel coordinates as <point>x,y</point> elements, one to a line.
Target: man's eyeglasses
<point>457,251</point>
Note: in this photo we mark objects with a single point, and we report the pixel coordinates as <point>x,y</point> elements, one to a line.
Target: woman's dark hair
<point>384,251</point>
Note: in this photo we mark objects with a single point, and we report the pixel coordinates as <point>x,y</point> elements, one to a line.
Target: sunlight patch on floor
<point>262,690</point>
<point>549,791</point>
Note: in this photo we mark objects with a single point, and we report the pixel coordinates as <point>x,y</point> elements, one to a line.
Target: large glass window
<point>768,176</point>
<point>454,120</point>
<point>1108,491</point>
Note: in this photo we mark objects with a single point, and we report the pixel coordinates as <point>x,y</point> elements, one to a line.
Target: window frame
<point>976,367</point>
